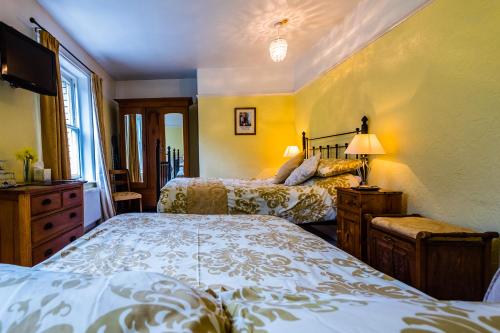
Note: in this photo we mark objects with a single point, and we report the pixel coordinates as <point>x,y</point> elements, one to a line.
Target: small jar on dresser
<point>36,221</point>
<point>352,205</point>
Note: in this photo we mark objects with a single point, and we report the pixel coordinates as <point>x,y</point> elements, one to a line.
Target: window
<point>76,91</point>
<point>70,90</point>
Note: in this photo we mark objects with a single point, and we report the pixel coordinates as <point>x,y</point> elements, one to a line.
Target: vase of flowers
<point>27,156</point>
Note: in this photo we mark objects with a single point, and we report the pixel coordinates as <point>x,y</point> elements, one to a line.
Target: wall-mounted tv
<point>25,63</point>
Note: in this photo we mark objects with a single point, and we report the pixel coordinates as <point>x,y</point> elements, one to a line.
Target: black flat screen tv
<point>25,63</point>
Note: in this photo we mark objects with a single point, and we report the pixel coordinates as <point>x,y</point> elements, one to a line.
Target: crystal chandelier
<point>279,45</point>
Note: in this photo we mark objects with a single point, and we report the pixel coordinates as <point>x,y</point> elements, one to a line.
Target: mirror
<point>134,155</point>
<point>174,138</point>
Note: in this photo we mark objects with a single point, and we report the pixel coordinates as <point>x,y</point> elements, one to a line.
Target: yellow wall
<point>174,138</point>
<point>431,88</point>
<point>223,154</point>
<point>17,124</point>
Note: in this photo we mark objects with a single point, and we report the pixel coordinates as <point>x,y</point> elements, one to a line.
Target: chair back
<point>119,179</point>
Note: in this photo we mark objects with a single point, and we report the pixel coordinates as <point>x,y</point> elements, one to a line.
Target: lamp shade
<point>278,49</point>
<point>291,151</point>
<point>365,144</point>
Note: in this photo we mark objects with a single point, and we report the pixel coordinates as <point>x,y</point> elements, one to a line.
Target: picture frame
<point>245,121</point>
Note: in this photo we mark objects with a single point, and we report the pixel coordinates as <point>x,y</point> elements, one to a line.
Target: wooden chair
<point>127,195</point>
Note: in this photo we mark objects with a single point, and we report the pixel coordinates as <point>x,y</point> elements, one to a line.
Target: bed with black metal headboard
<point>167,165</point>
<point>331,150</point>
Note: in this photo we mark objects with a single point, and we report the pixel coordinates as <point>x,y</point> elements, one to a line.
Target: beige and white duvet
<point>269,275</point>
<point>313,201</point>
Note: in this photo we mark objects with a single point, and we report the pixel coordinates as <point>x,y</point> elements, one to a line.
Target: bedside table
<point>352,204</point>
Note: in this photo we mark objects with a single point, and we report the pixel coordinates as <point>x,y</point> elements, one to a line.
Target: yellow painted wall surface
<point>431,88</point>
<point>223,154</point>
<point>174,138</point>
<point>17,124</point>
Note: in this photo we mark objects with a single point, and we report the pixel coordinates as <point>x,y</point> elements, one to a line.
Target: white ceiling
<point>162,39</point>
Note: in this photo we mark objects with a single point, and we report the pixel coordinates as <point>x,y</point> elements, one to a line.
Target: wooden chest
<point>351,206</point>
<point>36,221</point>
<point>452,264</point>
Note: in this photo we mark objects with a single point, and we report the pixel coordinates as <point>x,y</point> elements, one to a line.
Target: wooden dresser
<point>36,221</point>
<point>351,206</point>
<point>445,261</point>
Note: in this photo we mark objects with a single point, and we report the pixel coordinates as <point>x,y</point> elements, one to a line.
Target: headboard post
<point>304,142</point>
<point>364,126</point>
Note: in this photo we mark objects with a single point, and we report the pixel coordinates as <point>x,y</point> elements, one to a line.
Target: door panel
<point>381,253</point>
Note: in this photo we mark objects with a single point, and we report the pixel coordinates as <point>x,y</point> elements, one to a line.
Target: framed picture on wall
<point>245,121</point>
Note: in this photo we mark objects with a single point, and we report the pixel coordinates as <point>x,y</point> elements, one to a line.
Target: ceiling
<point>165,39</point>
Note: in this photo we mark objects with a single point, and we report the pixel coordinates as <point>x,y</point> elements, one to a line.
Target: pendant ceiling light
<point>279,45</point>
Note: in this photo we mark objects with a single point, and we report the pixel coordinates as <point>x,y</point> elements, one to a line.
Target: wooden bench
<point>443,260</point>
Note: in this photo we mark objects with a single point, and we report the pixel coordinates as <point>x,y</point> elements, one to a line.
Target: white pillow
<point>493,293</point>
<point>305,171</point>
<point>287,168</point>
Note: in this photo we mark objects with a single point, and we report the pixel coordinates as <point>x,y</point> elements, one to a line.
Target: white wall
<point>245,81</point>
<point>16,13</point>
<point>156,88</point>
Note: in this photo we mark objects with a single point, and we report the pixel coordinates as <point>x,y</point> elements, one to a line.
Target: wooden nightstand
<point>351,206</point>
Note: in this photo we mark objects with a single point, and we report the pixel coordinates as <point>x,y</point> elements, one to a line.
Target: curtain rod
<point>32,20</point>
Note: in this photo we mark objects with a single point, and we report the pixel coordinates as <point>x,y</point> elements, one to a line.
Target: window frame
<point>76,115</point>
<point>82,100</point>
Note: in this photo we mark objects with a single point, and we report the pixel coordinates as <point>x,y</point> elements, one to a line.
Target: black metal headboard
<point>330,151</point>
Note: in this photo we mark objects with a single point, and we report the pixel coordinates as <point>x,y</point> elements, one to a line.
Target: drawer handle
<point>46,202</point>
<point>48,253</point>
<point>72,215</point>
<point>387,238</point>
<point>72,195</point>
<point>48,226</point>
<point>72,239</point>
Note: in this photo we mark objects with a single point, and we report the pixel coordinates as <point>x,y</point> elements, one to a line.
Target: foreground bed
<point>222,253</point>
<point>268,274</point>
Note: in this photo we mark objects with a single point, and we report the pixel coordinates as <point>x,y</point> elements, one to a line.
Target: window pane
<point>68,101</point>
<point>74,152</point>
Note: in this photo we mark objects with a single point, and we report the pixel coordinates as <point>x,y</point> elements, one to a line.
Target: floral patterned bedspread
<point>39,301</point>
<point>268,311</point>
<point>313,201</point>
<point>224,252</point>
<point>269,274</point>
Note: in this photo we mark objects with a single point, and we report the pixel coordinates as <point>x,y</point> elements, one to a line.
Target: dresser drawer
<point>48,227</point>
<point>46,250</point>
<point>45,203</point>
<point>72,197</point>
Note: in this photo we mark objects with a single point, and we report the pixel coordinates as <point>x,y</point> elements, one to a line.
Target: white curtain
<point>102,175</point>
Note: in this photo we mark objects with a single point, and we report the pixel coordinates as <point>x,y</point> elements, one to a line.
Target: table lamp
<point>364,145</point>
<point>291,151</point>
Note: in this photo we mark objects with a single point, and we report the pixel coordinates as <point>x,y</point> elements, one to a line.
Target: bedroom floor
<point>326,231</point>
